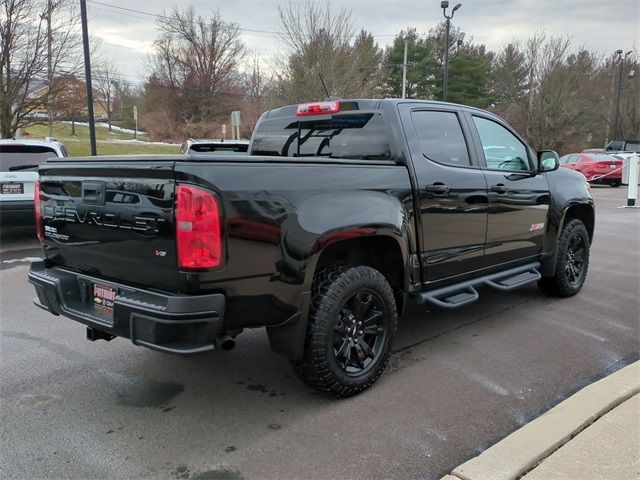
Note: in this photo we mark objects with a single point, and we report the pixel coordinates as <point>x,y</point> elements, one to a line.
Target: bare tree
<point>325,54</point>
<point>196,65</point>
<point>258,92</point>
<point>560,97</point>
<point>107,81</point>
<point>24,56</point>
<point>70,101</point>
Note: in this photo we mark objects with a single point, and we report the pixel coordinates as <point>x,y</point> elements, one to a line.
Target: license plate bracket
<point>12,188</point>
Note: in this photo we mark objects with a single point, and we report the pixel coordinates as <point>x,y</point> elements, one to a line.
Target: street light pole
<point>445,86</point>
<point>616,124</point>
<point>444,5</point>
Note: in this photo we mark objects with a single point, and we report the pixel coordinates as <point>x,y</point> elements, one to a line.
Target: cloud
<point>604,26</point>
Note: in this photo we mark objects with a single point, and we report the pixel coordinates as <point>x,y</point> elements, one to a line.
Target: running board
<point>464,293</point>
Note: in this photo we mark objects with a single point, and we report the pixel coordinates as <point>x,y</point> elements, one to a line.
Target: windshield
<point>349,136</point>
<point>17,155</point>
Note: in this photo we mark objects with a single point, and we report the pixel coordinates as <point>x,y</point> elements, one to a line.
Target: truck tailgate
<point>111,219</point>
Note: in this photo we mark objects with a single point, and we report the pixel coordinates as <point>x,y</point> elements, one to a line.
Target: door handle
<point>438,188</point>
<point>500,188</point>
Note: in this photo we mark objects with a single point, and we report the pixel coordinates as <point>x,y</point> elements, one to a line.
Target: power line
<point>132,11</point>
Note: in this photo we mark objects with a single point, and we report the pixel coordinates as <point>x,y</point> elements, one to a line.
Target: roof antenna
<point>323,85</point>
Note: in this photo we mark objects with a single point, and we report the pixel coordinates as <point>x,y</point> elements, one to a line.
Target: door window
<point>502,149</point>
<point>441,138</point>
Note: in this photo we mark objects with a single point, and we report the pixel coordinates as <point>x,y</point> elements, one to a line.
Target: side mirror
<point>548,161</point>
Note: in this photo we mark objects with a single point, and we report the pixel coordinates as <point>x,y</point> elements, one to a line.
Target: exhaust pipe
<point>93,335</point>
<point>226,342</point>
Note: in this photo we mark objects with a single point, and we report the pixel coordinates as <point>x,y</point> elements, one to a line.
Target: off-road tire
<point>332,287</point>
<point>560,284</point>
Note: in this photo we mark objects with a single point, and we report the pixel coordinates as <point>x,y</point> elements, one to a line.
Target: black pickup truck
<point>341,213</point>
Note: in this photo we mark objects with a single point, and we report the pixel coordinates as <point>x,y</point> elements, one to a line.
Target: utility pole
<point>444,5</point>
<point>50,7</point>
<point>49,72</point>
<point>404,69</point>
<point>87,74</point>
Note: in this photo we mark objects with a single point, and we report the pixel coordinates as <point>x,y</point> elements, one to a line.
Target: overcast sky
<point>604,25</point>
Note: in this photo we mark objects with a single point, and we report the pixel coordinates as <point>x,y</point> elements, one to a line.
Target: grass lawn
<point>78,146</point>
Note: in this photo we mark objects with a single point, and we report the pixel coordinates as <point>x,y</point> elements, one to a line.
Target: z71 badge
<point>536,226</point>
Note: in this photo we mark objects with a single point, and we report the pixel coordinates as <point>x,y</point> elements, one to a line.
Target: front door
<point>518,196</point>
<point>452,191</point>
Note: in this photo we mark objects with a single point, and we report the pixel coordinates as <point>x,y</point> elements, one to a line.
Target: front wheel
<point>572,261</point>
<point>351,325</point>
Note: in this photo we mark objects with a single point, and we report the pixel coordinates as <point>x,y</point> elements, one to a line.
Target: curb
<point>525,448</point>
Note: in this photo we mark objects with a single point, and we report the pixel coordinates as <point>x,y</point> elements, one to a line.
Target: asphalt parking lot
<point>458,382</point>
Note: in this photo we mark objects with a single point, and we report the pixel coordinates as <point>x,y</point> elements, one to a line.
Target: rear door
<point>452,190</point>
<point>518,197</point>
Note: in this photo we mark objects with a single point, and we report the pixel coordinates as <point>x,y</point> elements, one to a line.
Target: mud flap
<point>288,339</point>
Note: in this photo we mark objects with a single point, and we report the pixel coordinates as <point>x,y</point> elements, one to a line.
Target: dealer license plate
<point>104,297</point>
<point>12,188</point>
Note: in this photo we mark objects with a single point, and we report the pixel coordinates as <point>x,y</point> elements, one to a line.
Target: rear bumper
<point>179,324</point>
<point>17,212</point>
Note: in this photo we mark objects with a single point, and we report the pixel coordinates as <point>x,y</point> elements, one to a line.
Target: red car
<point>596,167</point>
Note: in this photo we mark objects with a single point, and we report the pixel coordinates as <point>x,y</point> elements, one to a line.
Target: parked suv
<point>19,160</point>
<point>343,212</point>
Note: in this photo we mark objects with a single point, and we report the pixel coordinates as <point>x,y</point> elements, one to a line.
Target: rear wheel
<point>352,322</point>
<point>615,184</point>
<point>572,261</point>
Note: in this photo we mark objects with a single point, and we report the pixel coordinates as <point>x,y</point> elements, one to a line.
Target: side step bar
<point>464,293</point>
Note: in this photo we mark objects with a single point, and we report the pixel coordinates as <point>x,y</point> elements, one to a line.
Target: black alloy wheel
<point>572,261</point>
<point>575,259</point>
<point>359,333</point>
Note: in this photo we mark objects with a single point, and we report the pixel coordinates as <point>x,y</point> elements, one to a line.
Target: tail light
<point>198,234</point>
<point>37,206</point>
<point>317,108</point>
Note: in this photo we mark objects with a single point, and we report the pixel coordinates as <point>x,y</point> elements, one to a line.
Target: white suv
<point>19,160</point>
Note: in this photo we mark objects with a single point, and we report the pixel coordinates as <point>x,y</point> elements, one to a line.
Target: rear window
<point>349,136</point>
<point>20,155</point>
<point>219,148</point>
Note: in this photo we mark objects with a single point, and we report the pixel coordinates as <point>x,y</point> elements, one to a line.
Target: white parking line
<point>22,260</point>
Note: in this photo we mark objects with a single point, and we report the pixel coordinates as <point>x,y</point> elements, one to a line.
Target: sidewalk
<point>594,434</point>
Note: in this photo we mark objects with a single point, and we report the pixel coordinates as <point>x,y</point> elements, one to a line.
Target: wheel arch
<point>583,211</point>
<point>384,252</point>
